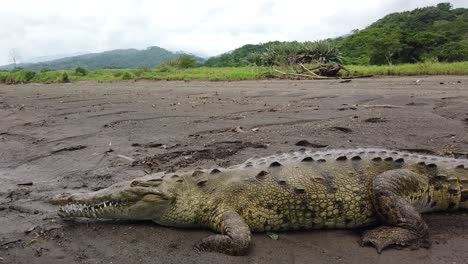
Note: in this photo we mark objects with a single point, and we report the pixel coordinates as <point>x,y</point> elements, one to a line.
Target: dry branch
<point>314,76</point>
<point>305,75</point>
<point>311,72</point>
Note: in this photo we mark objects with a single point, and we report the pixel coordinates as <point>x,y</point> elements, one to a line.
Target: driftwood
<point>304,75</point>
<point>331,70</point>
<point>326,72</point>
<point>308,70</point>
<point>314,76</point>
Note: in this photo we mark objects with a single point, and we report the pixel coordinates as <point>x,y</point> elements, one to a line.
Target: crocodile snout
<point>62,199</point>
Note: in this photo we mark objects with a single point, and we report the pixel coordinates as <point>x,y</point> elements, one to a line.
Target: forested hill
<point>430,33</point>
<point>436,33</point>
<point>124,58</point>
<point>240,56</point>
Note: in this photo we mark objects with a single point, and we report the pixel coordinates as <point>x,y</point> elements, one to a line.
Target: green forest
<point>436,34</point>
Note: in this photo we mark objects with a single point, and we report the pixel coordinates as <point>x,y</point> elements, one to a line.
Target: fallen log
<point>317,77</point>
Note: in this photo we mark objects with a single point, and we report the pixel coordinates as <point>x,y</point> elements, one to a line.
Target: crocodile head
<point>144,199</point>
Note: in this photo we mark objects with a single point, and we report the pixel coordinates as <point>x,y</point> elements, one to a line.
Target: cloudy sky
<point>204,27</point>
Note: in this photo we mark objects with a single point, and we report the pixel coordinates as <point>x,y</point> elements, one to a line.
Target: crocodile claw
<point>385,236</point>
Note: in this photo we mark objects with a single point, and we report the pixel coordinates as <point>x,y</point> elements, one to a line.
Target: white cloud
<point>205,27</point>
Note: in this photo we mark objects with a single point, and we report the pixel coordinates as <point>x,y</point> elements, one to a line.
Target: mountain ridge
<point>118,58</point>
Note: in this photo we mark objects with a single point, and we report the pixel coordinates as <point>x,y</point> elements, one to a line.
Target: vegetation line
<point>221,73</point>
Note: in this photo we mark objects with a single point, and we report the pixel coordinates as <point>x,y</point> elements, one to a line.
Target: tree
<point>384,48</point>
<point>453,51</point>
<point>421,46</point>
<point>81,71</point>
<point>408,37</point>
<point>444,6</point>
<point>186,61</point>
<point>241,56</point>
<point>14,57</point>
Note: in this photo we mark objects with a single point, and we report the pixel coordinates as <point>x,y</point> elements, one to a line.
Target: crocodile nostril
<point>62,199</point>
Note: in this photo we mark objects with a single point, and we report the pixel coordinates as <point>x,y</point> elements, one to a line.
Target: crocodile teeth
<point>89,210</point>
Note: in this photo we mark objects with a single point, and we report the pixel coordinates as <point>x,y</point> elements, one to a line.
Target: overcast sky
<point>203,27</point>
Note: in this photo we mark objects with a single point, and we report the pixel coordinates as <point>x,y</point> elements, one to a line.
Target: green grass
<point>455,68</point>
<point>219,74</point>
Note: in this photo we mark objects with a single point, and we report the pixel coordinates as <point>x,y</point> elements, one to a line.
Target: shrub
<point>292,53</point>
<point>140,70</point>
<point>166,66</point>
<point>21,76</point>
<point>453,51</point>
<point>27,75</point>
<point>127,76</point>
<point>64,77</point>
<point>186,61</point>
<point>45,69</point>
<point>10,79</point>
<point>80,71</point>
<point>117,73</point>
<point>3,77</point>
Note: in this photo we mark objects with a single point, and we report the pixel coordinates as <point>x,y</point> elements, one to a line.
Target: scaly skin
<point>296,190</point>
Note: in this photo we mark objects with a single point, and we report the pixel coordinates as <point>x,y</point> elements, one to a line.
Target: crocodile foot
<point>403,223</point>
<point>234,238</point>
<point>385,236</point>
<point>222,244</point>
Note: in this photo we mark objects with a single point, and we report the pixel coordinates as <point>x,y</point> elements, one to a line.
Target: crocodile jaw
<point>105,209</point>
<point>127,200</point>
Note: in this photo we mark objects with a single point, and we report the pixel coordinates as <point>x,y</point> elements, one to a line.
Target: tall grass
<point>218,74</point>
<point>428,68</point>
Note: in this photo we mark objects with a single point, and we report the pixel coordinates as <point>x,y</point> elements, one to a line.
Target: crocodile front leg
<point>404,225</point>
<point>234,238</point>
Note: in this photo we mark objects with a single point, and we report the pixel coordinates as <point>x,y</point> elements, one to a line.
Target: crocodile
<point>344,188</point>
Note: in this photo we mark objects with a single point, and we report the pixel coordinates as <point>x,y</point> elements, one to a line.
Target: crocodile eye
<point>149,183</point>
<point>134,183</point>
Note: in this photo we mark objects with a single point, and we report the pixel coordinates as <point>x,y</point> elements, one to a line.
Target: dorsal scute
<point>264,169</point>
<point>356,155</point>
<point>334,155</point>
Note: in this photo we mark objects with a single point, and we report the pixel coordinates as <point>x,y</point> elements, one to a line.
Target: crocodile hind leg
<point>234,238</point>
<point>403,223</point>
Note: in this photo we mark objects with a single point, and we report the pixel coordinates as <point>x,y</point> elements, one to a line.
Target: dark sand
<point>73,137</point>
